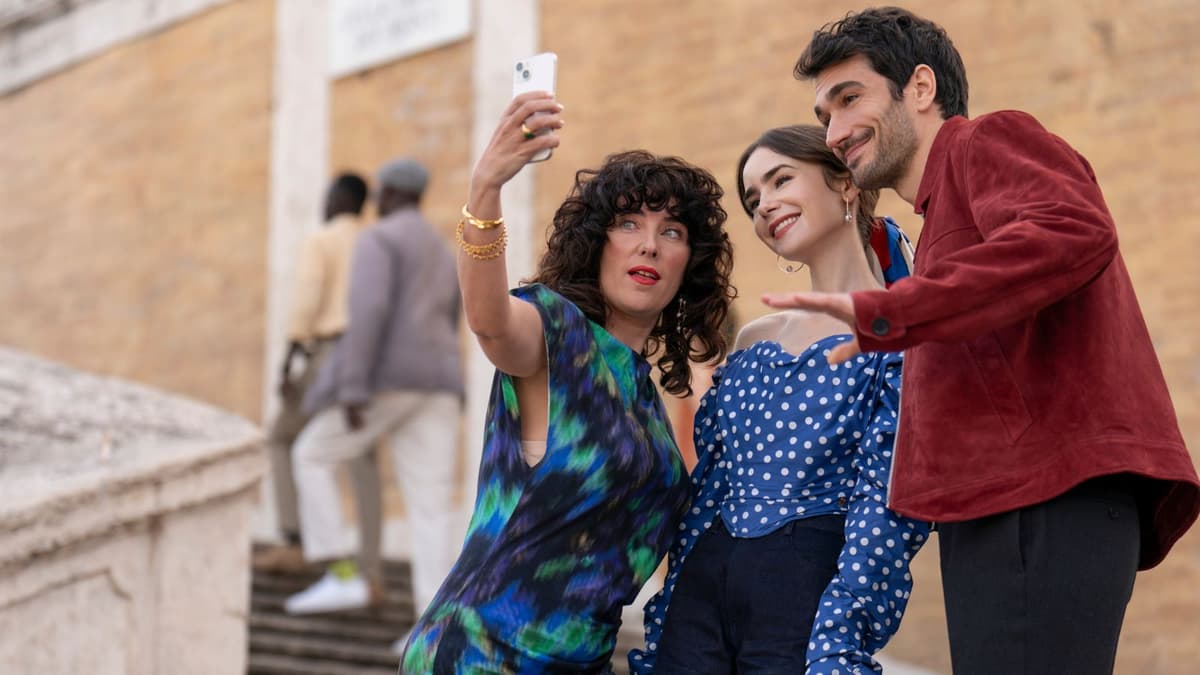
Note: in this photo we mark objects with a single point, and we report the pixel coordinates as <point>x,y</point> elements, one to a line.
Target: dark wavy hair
<point>806,143</point>
<point>895,41</point>
<point>625,183</point>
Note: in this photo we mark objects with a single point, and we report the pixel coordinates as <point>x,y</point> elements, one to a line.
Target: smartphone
<point>536,73</point>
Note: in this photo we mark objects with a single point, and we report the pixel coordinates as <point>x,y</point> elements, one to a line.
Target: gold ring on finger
<point>527,131</point>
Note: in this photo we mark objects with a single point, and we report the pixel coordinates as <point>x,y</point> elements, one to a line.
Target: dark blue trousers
<point>747,605</point>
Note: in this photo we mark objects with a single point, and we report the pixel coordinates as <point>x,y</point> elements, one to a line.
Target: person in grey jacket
<point>396,374</point>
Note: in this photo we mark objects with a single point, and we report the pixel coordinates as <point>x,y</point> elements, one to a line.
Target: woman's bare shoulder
<point>768,327</point>
<point>794,330</point>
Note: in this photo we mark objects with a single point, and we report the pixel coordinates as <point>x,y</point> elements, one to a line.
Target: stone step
<point>356,642</point>
<point>271,664</point>
<point>393,573</point>
<point>312,648</point>
<point>330,625</point>
<point>298,583</point>
<point>396,611</point>
<point>394,593</point>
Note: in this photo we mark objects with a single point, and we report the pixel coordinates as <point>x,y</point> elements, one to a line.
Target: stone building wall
<point>419,106</point>
<point>133,240</point>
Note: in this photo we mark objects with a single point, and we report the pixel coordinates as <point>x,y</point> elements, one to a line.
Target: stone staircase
<point>344,643</point>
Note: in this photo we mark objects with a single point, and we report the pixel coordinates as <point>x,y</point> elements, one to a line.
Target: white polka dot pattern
<point>782,437</point>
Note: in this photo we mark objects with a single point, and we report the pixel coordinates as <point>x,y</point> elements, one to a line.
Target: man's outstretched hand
<point>838,305</point>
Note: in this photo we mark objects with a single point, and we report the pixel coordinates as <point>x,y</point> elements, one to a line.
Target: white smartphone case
<point>536,73</point>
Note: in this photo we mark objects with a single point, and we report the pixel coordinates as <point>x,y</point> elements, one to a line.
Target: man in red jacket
<point>1035,427</point>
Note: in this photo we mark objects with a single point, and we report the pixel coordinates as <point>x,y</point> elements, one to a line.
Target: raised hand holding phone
<point>536,73</point>
<point>510,147</point>
<point>524,134</point>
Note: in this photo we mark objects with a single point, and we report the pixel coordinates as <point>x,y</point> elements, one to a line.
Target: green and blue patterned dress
<point>554,551</point>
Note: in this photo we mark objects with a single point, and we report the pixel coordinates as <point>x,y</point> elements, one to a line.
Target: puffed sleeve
<point>862,606</point>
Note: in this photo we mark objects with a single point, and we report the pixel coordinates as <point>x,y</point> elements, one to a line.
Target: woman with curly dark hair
<point>581,486</point>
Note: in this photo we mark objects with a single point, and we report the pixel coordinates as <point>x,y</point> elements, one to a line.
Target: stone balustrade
<point>124,526</point>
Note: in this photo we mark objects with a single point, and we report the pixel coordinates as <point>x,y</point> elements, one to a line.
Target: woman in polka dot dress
<point>789,560</point>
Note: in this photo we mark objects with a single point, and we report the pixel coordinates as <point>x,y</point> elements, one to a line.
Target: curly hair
<point>895,41</point>
<point>689,328</point>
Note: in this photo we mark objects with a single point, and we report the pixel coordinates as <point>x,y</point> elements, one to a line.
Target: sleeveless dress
<point>554,551</point>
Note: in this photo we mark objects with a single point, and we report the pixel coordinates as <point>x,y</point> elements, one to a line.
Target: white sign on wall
<point>367,33</point>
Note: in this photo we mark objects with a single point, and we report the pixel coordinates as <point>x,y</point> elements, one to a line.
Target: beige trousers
<point>423,430</point>
<point>285,428</point>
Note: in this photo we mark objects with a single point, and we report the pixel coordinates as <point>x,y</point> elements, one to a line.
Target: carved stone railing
<point>124,526</point>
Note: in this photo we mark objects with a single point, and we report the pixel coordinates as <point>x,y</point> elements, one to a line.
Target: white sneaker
<point>329,594</point>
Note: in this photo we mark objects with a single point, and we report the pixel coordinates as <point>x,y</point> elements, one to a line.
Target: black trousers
<point>1042,590</point>
<point>746,606</point>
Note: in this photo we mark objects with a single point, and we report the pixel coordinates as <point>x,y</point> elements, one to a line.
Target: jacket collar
<point>935,164</point>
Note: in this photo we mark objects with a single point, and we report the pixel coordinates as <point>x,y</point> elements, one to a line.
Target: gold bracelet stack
<point>489,251</point>
<point>481,223</point>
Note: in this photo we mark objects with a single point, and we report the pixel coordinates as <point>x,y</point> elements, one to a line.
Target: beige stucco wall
<point>133,239</point>
<point>419,106</point>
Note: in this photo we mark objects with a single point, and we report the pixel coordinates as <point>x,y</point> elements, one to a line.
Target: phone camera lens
<point>525,74</point>
<point>520,67</point>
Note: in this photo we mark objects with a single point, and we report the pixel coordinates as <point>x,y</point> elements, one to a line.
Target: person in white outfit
<point>394,375</point>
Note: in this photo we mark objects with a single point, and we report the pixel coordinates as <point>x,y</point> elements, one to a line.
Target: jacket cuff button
<point>880,326</point>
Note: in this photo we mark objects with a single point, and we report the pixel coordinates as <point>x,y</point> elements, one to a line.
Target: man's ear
<point>922,86</point>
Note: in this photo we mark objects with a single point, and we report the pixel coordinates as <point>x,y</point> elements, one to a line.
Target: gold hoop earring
<point>787,266</point>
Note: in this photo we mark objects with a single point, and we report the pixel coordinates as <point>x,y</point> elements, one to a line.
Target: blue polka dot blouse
<point>782,437</point>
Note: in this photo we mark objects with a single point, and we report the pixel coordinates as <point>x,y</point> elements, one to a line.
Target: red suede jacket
<point>1028,366</point>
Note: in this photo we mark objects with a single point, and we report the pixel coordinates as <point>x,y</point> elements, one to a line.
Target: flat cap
<point>404,174</point>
